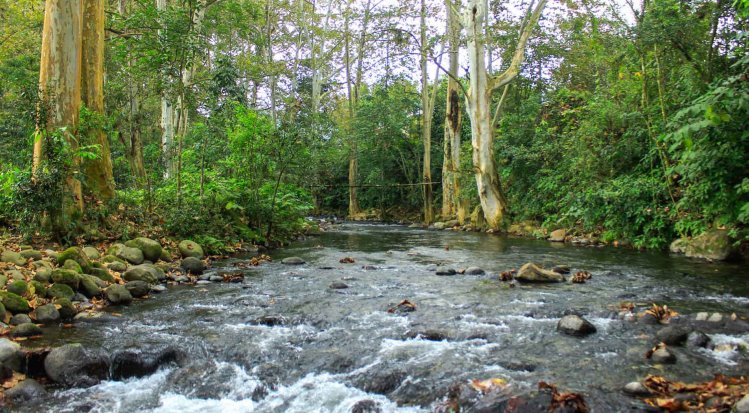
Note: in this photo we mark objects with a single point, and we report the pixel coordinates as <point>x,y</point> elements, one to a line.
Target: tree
<point>478,101</point>
<point>451,204</point>
<point>60,89</point>
<point>98,170</point>
<point>427,111</point>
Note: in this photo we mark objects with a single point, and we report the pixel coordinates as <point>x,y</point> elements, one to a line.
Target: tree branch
<point>512,71</point>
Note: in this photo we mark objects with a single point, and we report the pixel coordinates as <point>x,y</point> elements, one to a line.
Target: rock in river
<point>672,335</point>
<point>192,265</point>
<point>118,294</point>
<point>47,314</point>
<point>337,285</point>
<point>575,325</point>
<point>26,330</point>
<point>663,356</point>
<point>75,365</point>
<point>293,261</point>
<point>534,273</point>
<point>474,271</point>
<point>28,389</point>
<point>445,271</point>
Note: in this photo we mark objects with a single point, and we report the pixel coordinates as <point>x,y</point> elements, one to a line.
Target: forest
<point>230,121</point>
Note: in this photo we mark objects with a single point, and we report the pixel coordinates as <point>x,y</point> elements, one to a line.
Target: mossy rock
<point>118,295</point>
<point>90,286</point>
<point>15,303</point>
<point>18,287</point>
<point>92,253</point>
<point>117,266</point>
<point>75,254</point>
<point>15,275</point>
<point>151,249</point>
<point>166,255</point>
<point>66,308</point>
<point>111,258</point>
<point>713,244</point>
<point>129,254</point>
<point>68,277</point>
<point>60,291</point>
<point>2,311</point>
<point>12,257</point>
<point>33,254</point>
<point>73,266</point>
<point>190,249</point>
<point>143,272</point>
<point>43,275</point>
<point>39,289</point>
<point>3,280</point>
<point>102,274</point>
<point>26,330</point>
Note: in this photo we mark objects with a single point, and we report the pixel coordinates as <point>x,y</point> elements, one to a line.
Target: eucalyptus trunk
<point>478,101</point>
<point>60,89</point>
<point>98,172</point>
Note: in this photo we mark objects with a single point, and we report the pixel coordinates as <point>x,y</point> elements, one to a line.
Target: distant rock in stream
<point>534,273</point>
<point>574,325</point>
<point>74,365</point>
<point>445,271</point>
<point>293,261</point>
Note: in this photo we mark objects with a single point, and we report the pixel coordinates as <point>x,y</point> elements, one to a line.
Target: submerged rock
<point>338,286</point>
<point>672,335</point>
<point>26,390</point>
<point>698,339</point>
<point>26,330</point>
<point>636,388</point>
<point>445,271</point>
<point>663,356</point>
<point>474,271</point>
<point>75,365</point>
<point>574,325</point>
<point>366,406</point>
<point>19,319</point>
<point>131,363</point>
<point>534,273</point>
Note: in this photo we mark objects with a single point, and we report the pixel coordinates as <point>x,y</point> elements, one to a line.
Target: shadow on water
<point>329,349</point>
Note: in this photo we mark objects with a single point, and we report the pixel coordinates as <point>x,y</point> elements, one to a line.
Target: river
<point>284,341</point>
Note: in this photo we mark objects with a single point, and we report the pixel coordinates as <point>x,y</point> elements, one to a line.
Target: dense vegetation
<point>231,120</point>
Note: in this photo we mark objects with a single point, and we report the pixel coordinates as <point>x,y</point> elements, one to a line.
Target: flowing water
<point>324,350</point>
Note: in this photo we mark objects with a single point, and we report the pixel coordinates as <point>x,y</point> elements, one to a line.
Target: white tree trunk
<point>478,101</point>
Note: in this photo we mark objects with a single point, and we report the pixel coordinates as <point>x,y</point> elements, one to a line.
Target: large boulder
<point>75,365</point>
<point>575,325</point>
<point>18,287</point>
<point>144,272</point>
<point>118,294</point>
<point>712,245</point>
<point>151,249</point>
<point>534,273</point>
<point>14,303</point>
<point>190,249</point>
<point>12,257</point>
<point>129,254</point>
<point>558,235</point>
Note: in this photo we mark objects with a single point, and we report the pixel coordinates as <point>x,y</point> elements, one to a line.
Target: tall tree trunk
<point>97,172</point>
<point>60,89</point>
<point>269,57</point>
<point>426,122</point>
<point>353,163</point>
<point>453,124</point>
<point>478,102</point>
<point>135,144</point>
<point>168,117</point>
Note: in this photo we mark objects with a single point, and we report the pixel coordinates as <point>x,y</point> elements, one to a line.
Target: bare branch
<point>512,71</point>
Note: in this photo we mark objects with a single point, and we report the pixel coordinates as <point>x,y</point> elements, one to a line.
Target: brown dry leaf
<point>570,402</point>
<point>485,386</point>
<point>346,260</point>
<point>507,275</point>
<point>14,380</point>
<point>581,276</point>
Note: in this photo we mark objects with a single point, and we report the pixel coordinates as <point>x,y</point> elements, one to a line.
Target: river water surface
<point>324,350</point>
